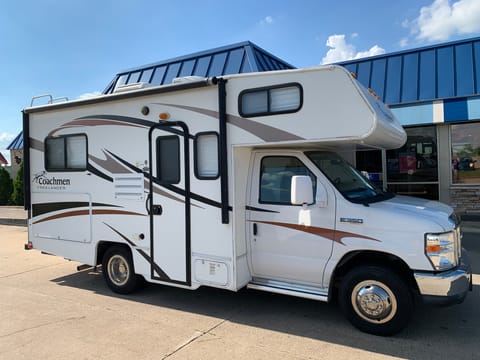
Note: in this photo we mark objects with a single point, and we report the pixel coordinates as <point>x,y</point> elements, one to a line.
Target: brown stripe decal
<point>110,164</point>
<point>160,192</point>
<point>263,131</point>
<point>86,212</point>
<point>37,144</point>
<point>331,234</point>
<point>92,122</point>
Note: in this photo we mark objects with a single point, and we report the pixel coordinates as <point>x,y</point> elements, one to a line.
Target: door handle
<point>255,229</point>
<point>147,203</point>
<point>157,210</point>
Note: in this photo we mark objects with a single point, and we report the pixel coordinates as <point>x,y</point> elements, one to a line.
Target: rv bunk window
<point>206,156</point>
<point>276,178</point>
<point>66,153</point>
<point>279,99</point>
<point>168,160</point>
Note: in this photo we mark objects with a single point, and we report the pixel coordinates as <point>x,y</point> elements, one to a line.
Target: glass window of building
<point>465,140</point>
<point>413,169</point>
<point>370,162</point>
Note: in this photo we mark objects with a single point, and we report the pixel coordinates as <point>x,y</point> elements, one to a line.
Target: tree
<point>5,186</point>
<point>17,195</point>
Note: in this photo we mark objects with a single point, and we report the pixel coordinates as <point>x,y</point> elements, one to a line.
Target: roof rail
<point>51,100</point>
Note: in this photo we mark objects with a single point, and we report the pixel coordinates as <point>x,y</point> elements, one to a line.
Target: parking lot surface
<point>49,310</point>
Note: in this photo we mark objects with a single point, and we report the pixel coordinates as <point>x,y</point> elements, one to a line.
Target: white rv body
<point>152,178</point>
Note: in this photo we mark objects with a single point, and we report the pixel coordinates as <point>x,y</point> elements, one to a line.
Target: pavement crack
<point>43,325</point>
<point>27,271</point>
<point>193,339</point>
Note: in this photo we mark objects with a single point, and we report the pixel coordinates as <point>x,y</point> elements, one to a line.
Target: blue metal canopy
<point>238,58</point>
<point>17,143</point>
<point>447,70</point>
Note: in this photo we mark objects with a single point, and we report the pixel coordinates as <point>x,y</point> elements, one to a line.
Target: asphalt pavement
<point>49,310</point>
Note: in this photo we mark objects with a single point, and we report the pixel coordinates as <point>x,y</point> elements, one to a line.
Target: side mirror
<point>301,190</point>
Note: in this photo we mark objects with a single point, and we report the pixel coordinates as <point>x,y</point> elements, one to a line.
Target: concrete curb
<point>13,222</point>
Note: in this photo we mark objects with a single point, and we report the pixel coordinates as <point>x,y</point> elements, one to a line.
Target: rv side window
<point>66,153</point>
<point>276,178</point>
<point>206,155</point>
<point>273,100</point>
<point>168,159</point>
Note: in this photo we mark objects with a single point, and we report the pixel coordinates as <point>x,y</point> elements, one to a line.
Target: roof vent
<point>187,79</point>
<point>131,87</point>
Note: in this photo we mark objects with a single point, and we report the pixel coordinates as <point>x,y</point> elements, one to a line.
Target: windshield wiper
<point>379,196</point>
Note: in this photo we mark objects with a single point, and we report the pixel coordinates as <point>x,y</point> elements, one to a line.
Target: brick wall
<point>465,199</point>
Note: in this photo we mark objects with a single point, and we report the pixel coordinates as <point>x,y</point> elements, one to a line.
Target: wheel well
<point>373,258</point>
<point>103,246</point>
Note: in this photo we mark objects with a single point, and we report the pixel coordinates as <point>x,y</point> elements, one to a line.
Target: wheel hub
<point>374,302</point>
<point>118,270</point>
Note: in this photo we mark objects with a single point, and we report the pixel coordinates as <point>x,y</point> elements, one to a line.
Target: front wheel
<point>376,300</point>
<point>118,271</point>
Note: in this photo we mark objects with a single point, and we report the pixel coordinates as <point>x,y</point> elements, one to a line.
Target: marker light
<point>164,116</point>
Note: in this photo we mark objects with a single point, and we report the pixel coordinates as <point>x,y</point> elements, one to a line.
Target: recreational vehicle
<point>240,181</point>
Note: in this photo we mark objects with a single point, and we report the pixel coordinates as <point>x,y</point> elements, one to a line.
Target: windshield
<point>348,180</point>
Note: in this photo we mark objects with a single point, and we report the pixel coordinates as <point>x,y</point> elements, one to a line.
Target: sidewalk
<point>13,215</point>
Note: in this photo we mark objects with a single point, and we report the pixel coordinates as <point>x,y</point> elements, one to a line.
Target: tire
<point>376,300</point>
<point>118,270</point>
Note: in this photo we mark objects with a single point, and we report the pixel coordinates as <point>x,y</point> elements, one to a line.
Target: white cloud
<point>5,137</point>
<point>404,42</point>
<point>340,50</point>
<point>89,95</point>
<point>440,20</point>
<point>5,140</point>
<point>268,20</point>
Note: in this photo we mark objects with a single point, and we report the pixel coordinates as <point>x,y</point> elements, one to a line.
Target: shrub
<point>5,186</point>
<point>17,194</point>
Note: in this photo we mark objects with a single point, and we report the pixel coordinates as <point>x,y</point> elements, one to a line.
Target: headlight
<point>443,250</point>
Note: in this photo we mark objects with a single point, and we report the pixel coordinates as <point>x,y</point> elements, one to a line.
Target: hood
<point>419,210</point>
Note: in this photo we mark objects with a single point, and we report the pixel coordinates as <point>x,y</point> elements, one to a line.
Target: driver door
<point>283,247</point>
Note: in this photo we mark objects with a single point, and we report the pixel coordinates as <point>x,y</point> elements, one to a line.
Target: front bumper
<point>448,287</point>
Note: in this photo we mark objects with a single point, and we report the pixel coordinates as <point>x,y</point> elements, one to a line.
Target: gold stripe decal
<point>334,235</point>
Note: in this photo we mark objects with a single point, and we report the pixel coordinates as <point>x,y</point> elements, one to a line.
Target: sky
<point>73,48</point>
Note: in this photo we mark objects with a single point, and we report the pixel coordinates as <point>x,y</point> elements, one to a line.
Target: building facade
<point>435,94</point>
<point>16,154</point>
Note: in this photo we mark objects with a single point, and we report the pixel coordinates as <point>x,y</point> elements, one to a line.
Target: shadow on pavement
<point>433,332</point>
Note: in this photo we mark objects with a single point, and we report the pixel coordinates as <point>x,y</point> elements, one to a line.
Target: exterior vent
<point>128,187</point>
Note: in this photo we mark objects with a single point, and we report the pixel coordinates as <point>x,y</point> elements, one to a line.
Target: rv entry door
<point>168,202</point>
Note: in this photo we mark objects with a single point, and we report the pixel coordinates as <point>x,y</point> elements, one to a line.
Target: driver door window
<point>276,178</point>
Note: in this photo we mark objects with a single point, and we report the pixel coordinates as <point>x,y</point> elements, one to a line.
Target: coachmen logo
<point>51,183</point>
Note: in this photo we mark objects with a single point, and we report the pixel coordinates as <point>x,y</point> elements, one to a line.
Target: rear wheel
<point>118,271</point>
<point>376,300</point>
